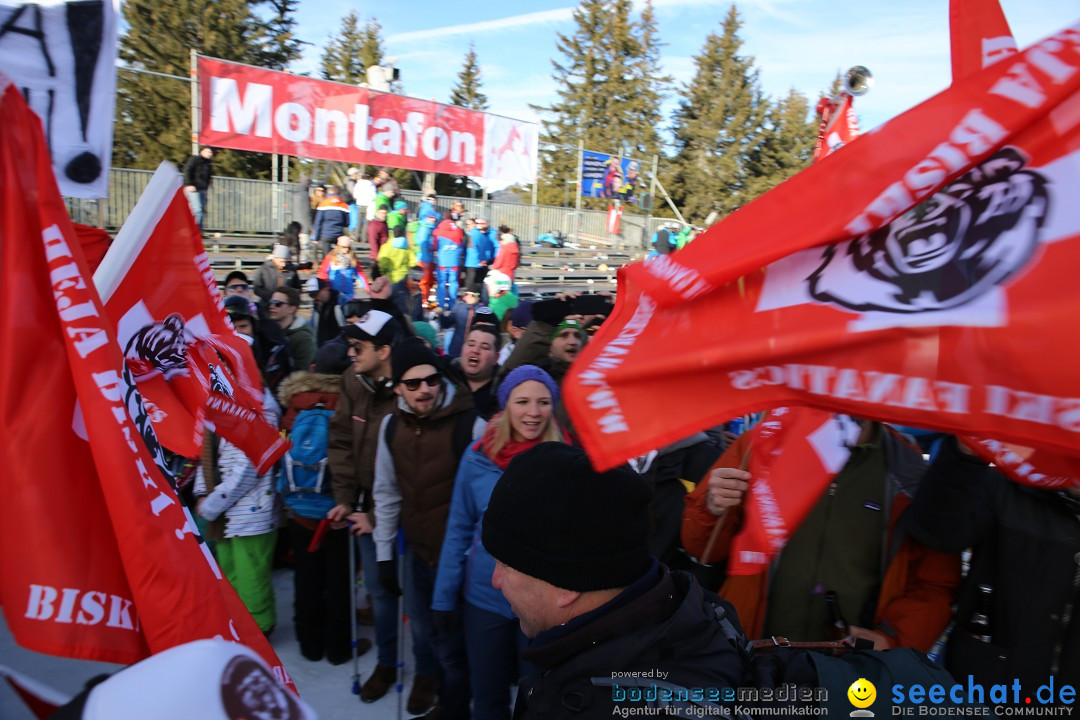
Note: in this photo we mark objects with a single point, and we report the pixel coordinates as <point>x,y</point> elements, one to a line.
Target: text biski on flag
<point>100,558</point>
<point>191,367</point>
<point>249,108</point>
<point>926,277</point>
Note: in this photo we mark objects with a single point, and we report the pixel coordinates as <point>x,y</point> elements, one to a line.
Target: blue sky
<point>796,43</point>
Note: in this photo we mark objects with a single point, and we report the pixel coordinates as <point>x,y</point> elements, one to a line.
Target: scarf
<point>513,447</point>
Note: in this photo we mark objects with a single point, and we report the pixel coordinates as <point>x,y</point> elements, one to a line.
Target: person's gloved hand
<point>446,622</point>
<point>388,577</point>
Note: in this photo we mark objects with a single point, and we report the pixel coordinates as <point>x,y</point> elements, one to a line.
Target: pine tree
<point>610,89</point>
<point>371,49</point>
<point>466,93</point>
<point>786,145</point>
<point>282,46</point>
<point>717,128</point>
<point>341,60</point>
<point>153,114</point>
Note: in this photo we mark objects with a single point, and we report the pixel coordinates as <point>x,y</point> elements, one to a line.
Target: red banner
<point>952,317</point>
<point>100,559</point>
<point>191,367</point>
<point>979,35</point>
<point>248,108</point>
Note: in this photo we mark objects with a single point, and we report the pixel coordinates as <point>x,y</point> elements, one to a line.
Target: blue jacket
<point>331,219</point>
<point>480,249</point>
<point>424,243</point>
<point>427,208</point>
<point>449,253</point>
<point>464,561</point>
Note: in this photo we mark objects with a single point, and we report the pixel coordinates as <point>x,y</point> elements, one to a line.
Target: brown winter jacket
<point>416,479</point>
<point>354,431</point>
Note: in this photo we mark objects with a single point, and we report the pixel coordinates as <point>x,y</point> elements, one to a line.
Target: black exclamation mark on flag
<point>86,26</point>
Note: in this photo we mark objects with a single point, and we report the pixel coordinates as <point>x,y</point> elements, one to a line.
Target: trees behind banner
<point>466,93</point>
<point>153,114</point>
<point>731,143</point>
<point>610,88</point>
<point>348,54</point>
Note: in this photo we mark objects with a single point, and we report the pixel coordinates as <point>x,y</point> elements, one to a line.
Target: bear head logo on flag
<point>968,238</point>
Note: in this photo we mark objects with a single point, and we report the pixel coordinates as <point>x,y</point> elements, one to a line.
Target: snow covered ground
<point>326,688</point>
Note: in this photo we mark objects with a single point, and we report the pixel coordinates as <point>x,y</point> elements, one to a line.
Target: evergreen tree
<point>466,93</point>
<point>371,49</point>
<point>282,45</point>
<point>341,60</point>
<point>786,145</point>
<point>610,89</point>
<point>153,114</point>
<point>717,128</point>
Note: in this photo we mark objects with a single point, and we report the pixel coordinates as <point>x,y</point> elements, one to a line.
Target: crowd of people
<point>431,394</point>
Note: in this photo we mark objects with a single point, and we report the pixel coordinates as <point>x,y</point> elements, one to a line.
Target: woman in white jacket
<point>251,510</point>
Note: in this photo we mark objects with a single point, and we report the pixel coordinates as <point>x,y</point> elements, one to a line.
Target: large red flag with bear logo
<point>191,367</point>
<point>100,559</point>
<point>929,280</point>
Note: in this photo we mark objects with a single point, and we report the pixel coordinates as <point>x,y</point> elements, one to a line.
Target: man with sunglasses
<point>420,444</point>
<point>284,306</point>
<point>366,397</point>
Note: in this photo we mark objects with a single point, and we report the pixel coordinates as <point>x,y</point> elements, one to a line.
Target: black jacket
<point>1026,546</point>
<point>197,172</point>
<point>672,627</point>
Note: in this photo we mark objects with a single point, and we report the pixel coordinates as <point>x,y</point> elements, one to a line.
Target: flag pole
<point>719,523</point>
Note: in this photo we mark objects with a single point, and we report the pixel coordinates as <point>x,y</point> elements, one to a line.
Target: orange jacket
<point>915,603</point>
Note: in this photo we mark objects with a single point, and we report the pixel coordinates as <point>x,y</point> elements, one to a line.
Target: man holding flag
<point>848,540</point>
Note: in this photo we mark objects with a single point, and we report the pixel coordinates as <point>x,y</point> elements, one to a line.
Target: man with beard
<point>566,343</point>
<point>367,396</point>
<point>478,364</point>
<point>419,447</point>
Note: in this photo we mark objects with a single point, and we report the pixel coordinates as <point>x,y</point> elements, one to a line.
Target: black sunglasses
<point>430,381</point>
<point>237,286</point>
<point>277,303</point>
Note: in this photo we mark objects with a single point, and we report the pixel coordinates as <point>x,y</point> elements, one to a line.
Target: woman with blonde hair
<point>464,600</point>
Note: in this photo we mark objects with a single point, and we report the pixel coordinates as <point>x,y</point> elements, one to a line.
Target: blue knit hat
<point>401,205</point>
<point>522,374</point>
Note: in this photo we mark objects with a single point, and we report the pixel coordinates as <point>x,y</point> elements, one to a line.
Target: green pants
<point>246,562</point>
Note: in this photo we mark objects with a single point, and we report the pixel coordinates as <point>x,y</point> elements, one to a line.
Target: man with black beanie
<point>420,445</point>
<point>571,557</point>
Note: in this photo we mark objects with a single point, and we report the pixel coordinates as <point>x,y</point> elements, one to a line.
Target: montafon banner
<point>249,108</point>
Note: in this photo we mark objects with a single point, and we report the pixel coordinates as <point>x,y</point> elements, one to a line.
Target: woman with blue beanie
<point>463,594</point>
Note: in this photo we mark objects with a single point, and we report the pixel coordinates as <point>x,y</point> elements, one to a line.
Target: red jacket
<point>508,259</point>
<point>915,603</point>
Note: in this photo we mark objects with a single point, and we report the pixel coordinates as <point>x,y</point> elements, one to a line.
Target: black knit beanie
<point>407,354</point>
<point>552,517</point>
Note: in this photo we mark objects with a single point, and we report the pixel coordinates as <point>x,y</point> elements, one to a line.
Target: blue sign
<point>608,176</point>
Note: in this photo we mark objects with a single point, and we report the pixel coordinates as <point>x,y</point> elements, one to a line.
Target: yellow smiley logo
<point>862,693</point>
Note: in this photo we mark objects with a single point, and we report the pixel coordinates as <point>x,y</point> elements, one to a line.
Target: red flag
<point>191,367</point>
<point>881,175</point>
<point>100,558</point>
<point>795,452</point>
<point>41,699</point>
<point>839,125</point>
<point>952,317</point>
<point>979,34</point>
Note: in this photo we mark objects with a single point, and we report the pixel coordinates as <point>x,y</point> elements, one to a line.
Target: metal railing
<point>261,207</point>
